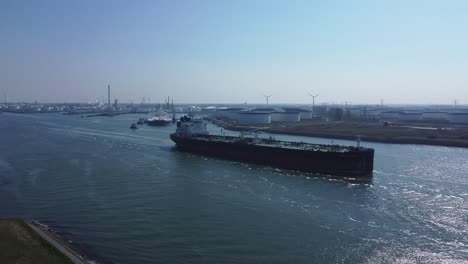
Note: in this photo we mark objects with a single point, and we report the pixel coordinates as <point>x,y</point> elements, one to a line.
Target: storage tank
<point>229,113</point>
<point>285,117</point>
<point>304,114</point>
<point>248,117</point>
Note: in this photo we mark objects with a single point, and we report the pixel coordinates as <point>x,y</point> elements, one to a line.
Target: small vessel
<point>192,136</point>
<point>134,126</point>
<point>141,121</point>
<point>159,119</point>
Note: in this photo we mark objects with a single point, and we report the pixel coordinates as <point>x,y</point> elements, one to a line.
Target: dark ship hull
<point>159,122</point>
<point>321,159</point>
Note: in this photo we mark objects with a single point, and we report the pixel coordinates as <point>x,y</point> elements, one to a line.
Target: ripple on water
<point>123,194</point>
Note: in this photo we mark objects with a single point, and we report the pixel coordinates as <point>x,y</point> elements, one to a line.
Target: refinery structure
<point>261,114</point>
<point>256,113</point>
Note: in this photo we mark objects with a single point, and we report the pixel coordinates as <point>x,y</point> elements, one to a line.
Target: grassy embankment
<point>442,135</point>
<point>20,244</point>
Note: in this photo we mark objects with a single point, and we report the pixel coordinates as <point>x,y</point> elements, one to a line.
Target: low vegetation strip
<point>21,244</point>
<point>453,136</point>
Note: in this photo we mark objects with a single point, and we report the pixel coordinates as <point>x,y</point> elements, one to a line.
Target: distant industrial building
<point>229,113</point>
<point>263,115</point>
<point>264,109</point>
<point>280,114</point>
<point>458,116</point>
<point>364,113</point>
<point>304,114</point>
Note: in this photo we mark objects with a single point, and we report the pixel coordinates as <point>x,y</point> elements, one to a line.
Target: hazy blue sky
<point>235,51</point>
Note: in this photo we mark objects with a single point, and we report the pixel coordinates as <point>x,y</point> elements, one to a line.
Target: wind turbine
<point>267,97</point>
<point>4,96</point>
<point>313,102</point>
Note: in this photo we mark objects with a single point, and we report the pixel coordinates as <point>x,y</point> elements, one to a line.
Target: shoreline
<point>57,242</point>
<point>337,135</point>
<point>28,241</point>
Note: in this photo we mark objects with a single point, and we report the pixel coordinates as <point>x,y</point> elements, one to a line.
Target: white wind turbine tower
<point>4,96</point>
<point>313,102</point>
<point>267,98</point>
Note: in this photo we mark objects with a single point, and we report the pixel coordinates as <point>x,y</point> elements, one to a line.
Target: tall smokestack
<point>108,95</point>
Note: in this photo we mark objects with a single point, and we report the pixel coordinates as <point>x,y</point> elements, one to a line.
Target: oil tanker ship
<point>192,136</point>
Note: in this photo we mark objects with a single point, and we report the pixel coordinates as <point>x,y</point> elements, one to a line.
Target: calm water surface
<point>129,197</point>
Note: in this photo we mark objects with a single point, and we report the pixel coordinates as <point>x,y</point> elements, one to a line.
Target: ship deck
<point>266,142</point>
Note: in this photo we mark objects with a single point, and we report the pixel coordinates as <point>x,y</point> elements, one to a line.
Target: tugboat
<point>192,136</point>
<point>141,120</point>
<point>134,126</point>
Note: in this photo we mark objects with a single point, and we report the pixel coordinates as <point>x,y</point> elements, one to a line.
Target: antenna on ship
<point>313,102</point>
<point>455,102</point>
<point>267,98</point>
